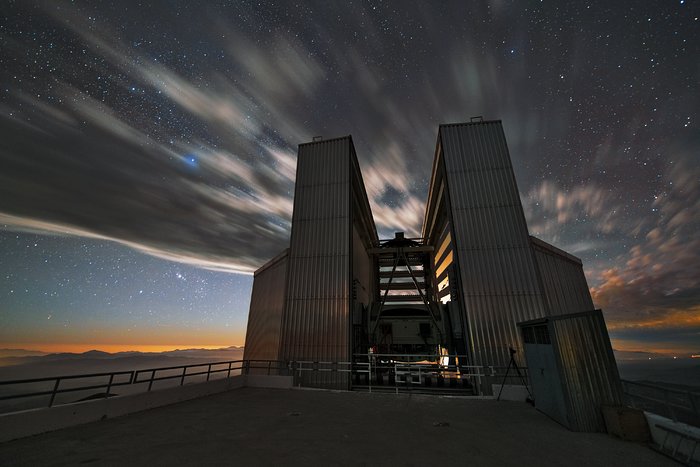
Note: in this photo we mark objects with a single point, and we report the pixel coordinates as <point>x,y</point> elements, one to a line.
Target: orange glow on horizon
<point>110,348</point>
<point>82,337</point>
<point>666,349</point>
<point>676,319</point>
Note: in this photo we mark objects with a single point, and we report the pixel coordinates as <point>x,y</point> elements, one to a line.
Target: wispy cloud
<point>109,179</point>
<point>657,282</point>
<point>224,206</point>
<point>549,206</point>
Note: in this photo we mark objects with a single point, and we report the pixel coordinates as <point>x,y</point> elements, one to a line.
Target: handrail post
<point>479,371</point>
<point>228,375</point>
<point>396,381</point>
<point>269,364</point>
<point>182,378</point>
<point>109,385</point>
<point>53,394</point>
<point>369,372</point>
<point>150,384</point>
<point>208,371</point>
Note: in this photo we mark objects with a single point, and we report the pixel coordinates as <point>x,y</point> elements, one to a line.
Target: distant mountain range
<point>24,364</point>
<point>20,353</point>
<point>20,356</point>
<point>638,355</point>
<point>20,364</point>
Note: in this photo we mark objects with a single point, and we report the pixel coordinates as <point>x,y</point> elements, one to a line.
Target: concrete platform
<point>253,426</point>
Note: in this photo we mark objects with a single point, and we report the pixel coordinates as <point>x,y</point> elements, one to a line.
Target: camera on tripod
<point>513,364</point>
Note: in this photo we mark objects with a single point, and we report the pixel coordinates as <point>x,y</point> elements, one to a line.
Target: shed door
<point>544,376</point>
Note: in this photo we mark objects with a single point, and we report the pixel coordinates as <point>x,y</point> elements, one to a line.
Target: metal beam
<point>406,249</point>
<point>395,274</point>
<point>403,298</point>
<point>401,285</point>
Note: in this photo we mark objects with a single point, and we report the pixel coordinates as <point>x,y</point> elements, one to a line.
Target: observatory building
<point>457,294</point>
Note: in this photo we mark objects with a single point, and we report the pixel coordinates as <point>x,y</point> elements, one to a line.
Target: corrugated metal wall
<point>266,309</point>
<point>316,324</point>
<point>362,271</point>
<point>498,280</point>
<point>589,372</point>
<point>563,282</point>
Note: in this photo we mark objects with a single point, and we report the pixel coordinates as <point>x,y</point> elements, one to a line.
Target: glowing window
<point>446,262</point>
<point>443,247</point>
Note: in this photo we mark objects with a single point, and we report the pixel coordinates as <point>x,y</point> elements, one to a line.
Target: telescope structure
<point>453,296</point>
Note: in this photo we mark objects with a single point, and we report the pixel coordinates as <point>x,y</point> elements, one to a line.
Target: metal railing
<point>132,378</point>
<point>677,404</point>
<point>154,371</point>
<point>404,371</point>
<point>399,369</point>
<point>57,381</point>
<point>298,368</point>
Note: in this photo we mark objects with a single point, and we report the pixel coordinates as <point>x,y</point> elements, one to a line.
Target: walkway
<point>306,427</point>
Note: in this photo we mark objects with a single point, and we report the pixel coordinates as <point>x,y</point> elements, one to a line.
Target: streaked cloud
<point>549,207</point>
<point>110,180</point>
<point>174,131</point>
<point>656,283</point>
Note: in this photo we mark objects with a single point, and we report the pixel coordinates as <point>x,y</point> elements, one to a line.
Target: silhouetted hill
<point>20,353</point>
<point>634,355</point>
<point>94,361</point>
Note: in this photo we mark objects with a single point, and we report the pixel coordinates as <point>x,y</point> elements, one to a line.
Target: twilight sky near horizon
<point>148,149</point>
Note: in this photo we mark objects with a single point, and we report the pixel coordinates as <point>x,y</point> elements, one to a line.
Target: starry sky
<point>148,149</point>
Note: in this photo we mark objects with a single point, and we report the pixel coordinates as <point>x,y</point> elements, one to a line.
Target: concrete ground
<point>253,426</point>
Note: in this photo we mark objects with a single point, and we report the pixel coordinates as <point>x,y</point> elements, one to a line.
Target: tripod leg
<point>512,362</point>
<point>522,378</point>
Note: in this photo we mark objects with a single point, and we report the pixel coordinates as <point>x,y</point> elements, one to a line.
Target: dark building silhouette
<point>338,293</point>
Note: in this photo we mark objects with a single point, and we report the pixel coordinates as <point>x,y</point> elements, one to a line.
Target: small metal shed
<point>572,368</point>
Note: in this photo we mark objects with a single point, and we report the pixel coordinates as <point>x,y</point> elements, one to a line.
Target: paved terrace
<point>252,426</point>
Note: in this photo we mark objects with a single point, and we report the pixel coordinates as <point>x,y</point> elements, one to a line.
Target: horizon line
<point>111,348</point>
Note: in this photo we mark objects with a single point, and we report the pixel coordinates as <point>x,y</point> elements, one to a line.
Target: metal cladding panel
<point>321,235</point>
<point>266,308</point>
<point>362,270</point>
<point>319,163</point>
<point>485,188</point>
<point>589,372</point>
<point>308,344</point>
<point>492,330</point>
<point>314,203</point>
<point>498,276</point>
<point>318,278</point>
<point>563,281</point>
<point>481,146</point>
<point>316,325</point>
<point>498,271</point>
<point>488,227</point>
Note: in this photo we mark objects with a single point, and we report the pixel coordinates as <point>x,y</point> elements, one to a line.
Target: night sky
<point>148,150</point>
